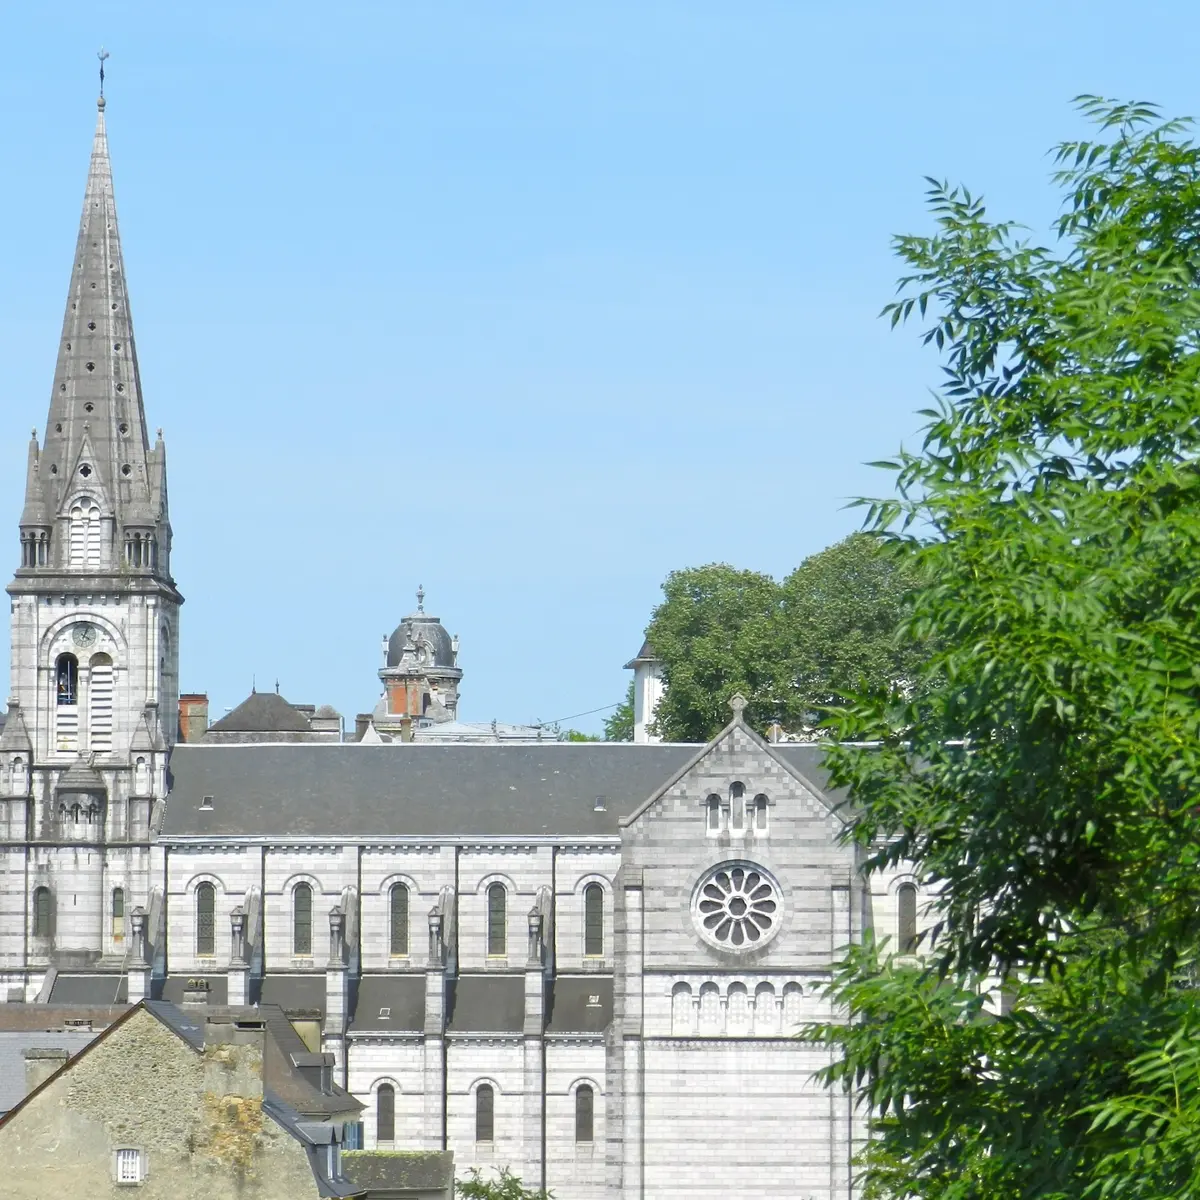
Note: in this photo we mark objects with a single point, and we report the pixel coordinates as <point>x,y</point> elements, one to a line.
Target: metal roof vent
<point>206,803</point>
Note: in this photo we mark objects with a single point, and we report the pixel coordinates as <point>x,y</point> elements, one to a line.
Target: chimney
<point>406,734</point>
<point>193,716</point>
<point>195,993</point>
<point>361,721</point>
<point>40,1064</point>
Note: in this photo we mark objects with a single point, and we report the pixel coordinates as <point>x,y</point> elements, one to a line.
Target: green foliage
<point>618,727</point>
<point>574,735</point>
<point>790,648</point>
<point>1042,774</point>
<point>506,1186</point>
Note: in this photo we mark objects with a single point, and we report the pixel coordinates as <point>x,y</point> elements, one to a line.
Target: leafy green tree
<point>506,1186</point>
<point>790,648</point>
<point>1042,773</point>
<point>618,726</point>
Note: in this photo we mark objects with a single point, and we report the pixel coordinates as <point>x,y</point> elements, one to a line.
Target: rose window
<point>737,906</point>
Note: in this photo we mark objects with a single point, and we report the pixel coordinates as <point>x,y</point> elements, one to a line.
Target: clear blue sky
<point>527,302</point>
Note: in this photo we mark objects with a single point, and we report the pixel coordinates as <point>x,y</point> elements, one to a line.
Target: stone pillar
<point>534,1056</point>
<point>434,1067</point>
<point>239,968</point>
<point>336,988</point>
<point>139,968</point>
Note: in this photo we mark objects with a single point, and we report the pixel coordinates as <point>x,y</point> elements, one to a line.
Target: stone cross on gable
<point>738,703</point>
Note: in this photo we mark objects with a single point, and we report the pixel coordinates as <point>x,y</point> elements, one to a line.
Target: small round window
<point>737,906</point>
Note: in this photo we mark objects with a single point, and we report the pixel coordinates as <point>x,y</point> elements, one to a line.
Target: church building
<point>582,961</point>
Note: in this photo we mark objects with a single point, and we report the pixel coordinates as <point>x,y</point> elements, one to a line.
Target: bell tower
<point>95,635</point>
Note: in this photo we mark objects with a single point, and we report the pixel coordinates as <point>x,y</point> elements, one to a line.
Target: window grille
<point>485,1113</point>
<point>593,920</point>
<point>497,928</point>
<point>206,925</point>
<point>129,1166</point>
<point>399,905</point>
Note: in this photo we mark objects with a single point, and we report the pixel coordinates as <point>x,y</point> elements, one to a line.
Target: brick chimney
<point>193,716</point>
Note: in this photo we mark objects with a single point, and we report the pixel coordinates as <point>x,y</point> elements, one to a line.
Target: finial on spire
<point>101,54</point>
<point>420,597</point>
<point>738,703</point>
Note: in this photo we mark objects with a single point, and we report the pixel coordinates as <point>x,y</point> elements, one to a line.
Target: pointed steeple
<point>96,443</point>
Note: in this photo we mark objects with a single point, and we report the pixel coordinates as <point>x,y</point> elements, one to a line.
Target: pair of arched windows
<point>100,702</point>
<point>83,533</point>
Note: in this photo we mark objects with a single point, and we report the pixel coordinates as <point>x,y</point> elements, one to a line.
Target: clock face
<point>84,635</point>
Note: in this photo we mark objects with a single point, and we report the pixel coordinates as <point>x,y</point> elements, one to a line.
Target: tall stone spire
<point>96,445</point>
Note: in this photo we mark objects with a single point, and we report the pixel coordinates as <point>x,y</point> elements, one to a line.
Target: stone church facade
<point>583,961</point>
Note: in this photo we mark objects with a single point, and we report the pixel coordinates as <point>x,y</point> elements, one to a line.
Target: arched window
<point>118,914</point>
<point>585,1105</point>
<point>141,777</point>
<point>100,704</point>
<point>760,813</point>
<point>385,1113</point>
<point>18,783</point>
<point>497,926</point>
<point>737,807</point>
<point>713,806</point>
<point>906,923</point>
<point>399,914</point>
<point>206,921</point>
<point>43,912</point>
<point>593,920</point>
<point>66,679</point>
<point>302,904</point>
<point>485,1113</point>
<point>682,1010</point>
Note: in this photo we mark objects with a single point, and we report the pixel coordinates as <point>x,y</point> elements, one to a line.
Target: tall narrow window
<point>593,920</point>
<point>66,679</point>
<point>713,804</point>
<point>906,901</point>
<point>385,1113</point>
<point>100,704</point>
<point>760,814</point>
<point>206,922</point>
<point>42,912</point>
<point>141,777</point>
<point>485,1113</point>
<point>737,807</point>
<point>585,1104</point>
<point>302,904</point>
<point>118,914</point>
<point>497,926</point>
<point>399,904</point>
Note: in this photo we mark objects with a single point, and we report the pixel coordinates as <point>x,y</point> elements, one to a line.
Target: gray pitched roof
<point>262,712</point>
<point>486,1004</point>
<point>297,995</point>
<point>580,1004</point>
<point>390,1004</point>
<point>13,1045</point>
<point>90,989</point>
<point>413,790</point>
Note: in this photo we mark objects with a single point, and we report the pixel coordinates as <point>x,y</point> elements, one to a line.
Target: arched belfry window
<point>206,921</point>
<point>302,909</point>
<point>399,919</point>
<point>497,921</point>
<point>385,1113</point>
<point>43,912</point>
<point>66,679</point>
<point>83,536</point>
<point>485,1113</point>
<point>100,703</point>
<point>906,924</point>
<point>585,1109</point>
<point>593,920</point>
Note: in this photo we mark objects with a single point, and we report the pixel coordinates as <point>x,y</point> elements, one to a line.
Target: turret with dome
<point>420,674</point>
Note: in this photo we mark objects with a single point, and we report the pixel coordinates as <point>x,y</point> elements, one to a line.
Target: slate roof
<point>297,995</point>
<point>13,1045</point>
<point>385,1174</point>
<point>580,1004</point>
<point>390,1004</point>
<point>486,1004</point>
<point>413,790</point>
<point>90,989</point>
<point>262,712</point>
